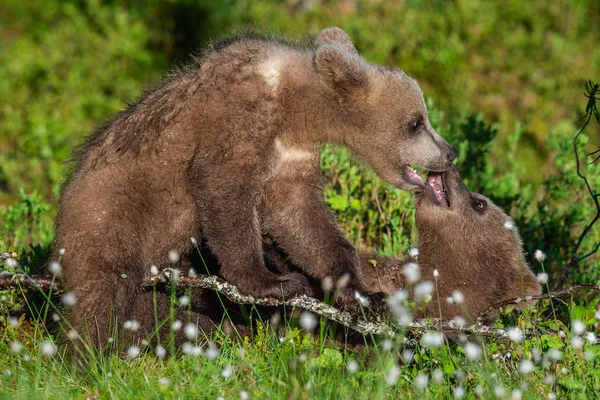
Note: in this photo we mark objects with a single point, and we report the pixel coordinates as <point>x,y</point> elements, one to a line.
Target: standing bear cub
<point>232,136</point>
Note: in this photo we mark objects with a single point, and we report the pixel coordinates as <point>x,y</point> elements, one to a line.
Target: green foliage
<point>65,66</point>
<point>22,224</point>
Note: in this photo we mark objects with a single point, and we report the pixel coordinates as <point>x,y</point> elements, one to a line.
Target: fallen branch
<point>6,255</point>
<point>518,300</point>
<point>8,280</point>
<point>380,328</point>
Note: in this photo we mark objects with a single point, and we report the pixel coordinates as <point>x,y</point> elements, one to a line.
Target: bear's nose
<point>452,153</point>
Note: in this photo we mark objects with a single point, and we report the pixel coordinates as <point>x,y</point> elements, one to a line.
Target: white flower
<point>458,392</point>
<point>554,354</point>
<point>450,300</point>
<point>11,263</point>
<point>459,321</point>
<point>191,350</point>
<point>68,299</point>
<point>478,390</point>
<point>459,298</point>
<point>16,347</point>
<point>161,352</point>
<point>55,268</point>
<point>13,322</point>
<point>542,278</point>
<point>515,334</point>
<point>61,252</point>
<point>133,352</point>
<point>525,367</point>
<point>48,348</point>
<point>578,327</point>
<point>327,283</point>
<point>190,331</point>
<point>184,301</point>
<point>55,317</point>
<point>473,351</point>
<point>423,291</point>
<point>72,334</point>
<point>432,339</point>
<point>591,338</point>
<point>391,375</point>
<point>577,342</point>
<point>364,301</point>
<point>436,274</point>
<point>211,353</point>
<point>438,376</point>
<point>539,255</point>
<point>411,272</point>
<point>154,269</point>
<point>421,381</point>
<point>516,394</point>
<point>588,355</point>
<point>308,322</point>
<point>131,325</point>
<point>407,356</point>
<point>194,241</point>
<point>549,379</point>
<point>343,281</point>
<point>176,325</point>
<point>244,395</point>
<point>192,273</point>
<point>386,345</point>
<point>164,382</point>
<point>226,373</point>
<point>499,391</point>
<point>110,340</point>
<point>174,256</point>
<point>413,252</point>
<point>352,366</point>
<point>509,224</point>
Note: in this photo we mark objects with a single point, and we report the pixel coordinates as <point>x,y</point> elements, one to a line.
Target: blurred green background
<point>504,80</point>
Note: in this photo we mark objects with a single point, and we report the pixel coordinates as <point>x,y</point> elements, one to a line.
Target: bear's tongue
<point>437,183</point>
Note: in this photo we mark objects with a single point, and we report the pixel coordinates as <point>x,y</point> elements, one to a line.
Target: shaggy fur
<point>234,135</point>
<point>471,248</point>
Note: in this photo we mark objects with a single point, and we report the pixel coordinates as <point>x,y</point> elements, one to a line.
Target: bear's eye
<point>414,124</point>
<point>479,205</point>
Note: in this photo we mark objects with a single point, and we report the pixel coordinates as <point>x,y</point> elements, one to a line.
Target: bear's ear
<point>335,35</point>
<point>342,71</point>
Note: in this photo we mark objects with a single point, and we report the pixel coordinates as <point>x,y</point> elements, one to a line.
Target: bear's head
<point>381,113</point>
<point>473,244</point>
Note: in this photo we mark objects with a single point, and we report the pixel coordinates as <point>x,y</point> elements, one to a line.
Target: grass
<point>289,363</point>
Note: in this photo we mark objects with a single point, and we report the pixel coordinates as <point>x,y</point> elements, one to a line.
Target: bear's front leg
<point>294,214</point>
<point>227,198</point>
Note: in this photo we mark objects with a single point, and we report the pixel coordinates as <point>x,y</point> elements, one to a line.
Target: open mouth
<point>436,181</point>
<point>413,177</point>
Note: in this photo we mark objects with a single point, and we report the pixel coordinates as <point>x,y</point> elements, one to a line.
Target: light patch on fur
<point>291,154</point>
<point>271,71</point>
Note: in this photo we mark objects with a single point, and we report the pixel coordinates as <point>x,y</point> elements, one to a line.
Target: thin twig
<point>591,110</point>
<point>518,300</point>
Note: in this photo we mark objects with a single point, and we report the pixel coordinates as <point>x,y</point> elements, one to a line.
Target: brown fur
<point>472,251</point>
<point>234,135</point>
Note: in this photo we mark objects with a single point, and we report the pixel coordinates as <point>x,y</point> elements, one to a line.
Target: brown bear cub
<point>232,136</point>
<point>471,243</point>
